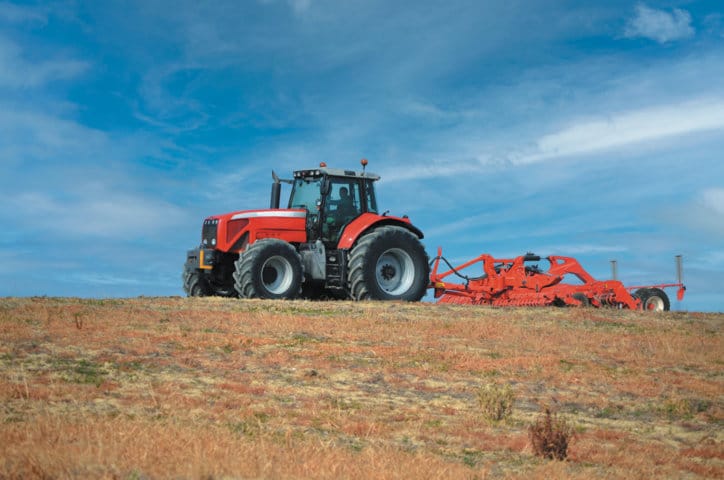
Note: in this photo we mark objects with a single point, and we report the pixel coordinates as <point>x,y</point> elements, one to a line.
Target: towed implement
<point>520,282</point>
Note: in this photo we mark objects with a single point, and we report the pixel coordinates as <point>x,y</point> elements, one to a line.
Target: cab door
<point>342,204</point>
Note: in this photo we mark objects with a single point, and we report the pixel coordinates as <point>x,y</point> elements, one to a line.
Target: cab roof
<point>335,172</point>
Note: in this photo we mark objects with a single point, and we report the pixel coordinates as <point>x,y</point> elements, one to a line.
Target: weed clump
<point>496,401</point>
<point>550,436</point>
<point>683,408</point>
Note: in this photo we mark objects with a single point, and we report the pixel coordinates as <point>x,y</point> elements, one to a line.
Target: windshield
<point>305,194</point>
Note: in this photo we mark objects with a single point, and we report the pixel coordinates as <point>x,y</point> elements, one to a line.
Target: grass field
<point>221,388</point>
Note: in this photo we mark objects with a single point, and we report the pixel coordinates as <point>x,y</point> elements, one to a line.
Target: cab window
<point>305,194</point>
<point>371,200</point>
<point>344,198</point>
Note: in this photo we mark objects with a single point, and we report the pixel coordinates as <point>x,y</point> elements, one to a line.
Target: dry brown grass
<point>219,388</point>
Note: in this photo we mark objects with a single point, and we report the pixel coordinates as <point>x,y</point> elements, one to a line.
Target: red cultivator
<point>519,282</point>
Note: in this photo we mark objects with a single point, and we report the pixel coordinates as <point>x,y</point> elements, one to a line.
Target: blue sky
<point>591,129</point>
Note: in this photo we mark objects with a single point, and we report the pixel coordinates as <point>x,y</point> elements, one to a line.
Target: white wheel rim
<point>655,304</point>
<point>395,271</point>
<point>276,275</point>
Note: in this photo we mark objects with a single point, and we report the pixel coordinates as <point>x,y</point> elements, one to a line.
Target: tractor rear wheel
<point>653,300</point>
<point>388,263</point>
<point>269,268</point>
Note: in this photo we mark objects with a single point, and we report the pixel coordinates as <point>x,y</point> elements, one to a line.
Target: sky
<point>586,129</point>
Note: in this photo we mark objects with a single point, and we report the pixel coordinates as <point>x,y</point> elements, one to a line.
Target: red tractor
<point>330,241</point>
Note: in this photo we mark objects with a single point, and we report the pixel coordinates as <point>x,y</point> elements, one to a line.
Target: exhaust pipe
<point>276,193</point>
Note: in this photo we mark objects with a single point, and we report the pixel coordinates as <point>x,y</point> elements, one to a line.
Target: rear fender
<point>366,221</point>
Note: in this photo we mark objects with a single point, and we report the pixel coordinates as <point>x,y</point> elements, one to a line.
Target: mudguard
<point>364,222</point>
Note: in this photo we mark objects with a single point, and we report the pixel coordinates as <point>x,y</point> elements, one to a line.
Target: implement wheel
<point>269,268</point>
<point>388,263</point>
<point>653,300</point>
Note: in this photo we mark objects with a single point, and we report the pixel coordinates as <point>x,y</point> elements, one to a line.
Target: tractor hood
<point>231,232</point>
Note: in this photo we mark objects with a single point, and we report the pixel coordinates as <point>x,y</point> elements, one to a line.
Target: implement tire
<point>653,300</point>
<point>269,268</point>
<point>389,263</point>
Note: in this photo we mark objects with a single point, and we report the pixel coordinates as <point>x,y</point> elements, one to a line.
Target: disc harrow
<point>519,282</point>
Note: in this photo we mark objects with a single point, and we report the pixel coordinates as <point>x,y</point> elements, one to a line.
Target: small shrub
<point>550,436</point>
<point>496,401</point>
<point>683,408</point>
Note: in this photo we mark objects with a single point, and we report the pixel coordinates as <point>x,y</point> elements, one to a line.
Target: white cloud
<point>713,199</point>
<point>16,72</point>
<point>432,169</point>
<point>628,128</point>
<point>297,6</point>
<point>622,130</point>
<point>12,13</point>
<point>74,181</point>
<point>95,210</point>
<point>96,278</point>
<point>659,25</point>
<point>704,213</point>
<point>39,140</point>
<point>300,6</point>
<point>443,229</point>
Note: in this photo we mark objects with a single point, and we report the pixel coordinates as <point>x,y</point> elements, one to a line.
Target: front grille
<point>208,233</point>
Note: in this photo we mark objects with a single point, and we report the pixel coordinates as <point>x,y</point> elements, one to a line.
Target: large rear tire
<point>388,263</point>
<point>269,268</point>
<point>653,300</point>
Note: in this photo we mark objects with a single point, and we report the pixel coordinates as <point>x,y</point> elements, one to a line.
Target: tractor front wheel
<point>388,263</point>
<point>195,284</point>
<point>269,268</point>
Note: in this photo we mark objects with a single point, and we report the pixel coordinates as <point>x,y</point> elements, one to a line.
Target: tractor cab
<point>332,198</point>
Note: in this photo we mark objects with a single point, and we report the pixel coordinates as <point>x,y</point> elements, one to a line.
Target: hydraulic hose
<point>455,271</point>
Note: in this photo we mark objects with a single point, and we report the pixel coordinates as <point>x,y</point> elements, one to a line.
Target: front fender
<point>364,222</point>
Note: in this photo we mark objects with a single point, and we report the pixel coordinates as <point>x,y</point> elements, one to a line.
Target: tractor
<point>330,242</point>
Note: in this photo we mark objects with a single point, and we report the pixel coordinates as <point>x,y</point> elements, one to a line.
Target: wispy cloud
<point>13,13</point>
<point>95,210</point>
<point>300,6</point>
<point>589,136</point>
<point>706,212</point>
<point>659,25</point>
<point>626,128</point>
<point>703,213</point>
<point>713,198</point>
<point>16,71</point>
